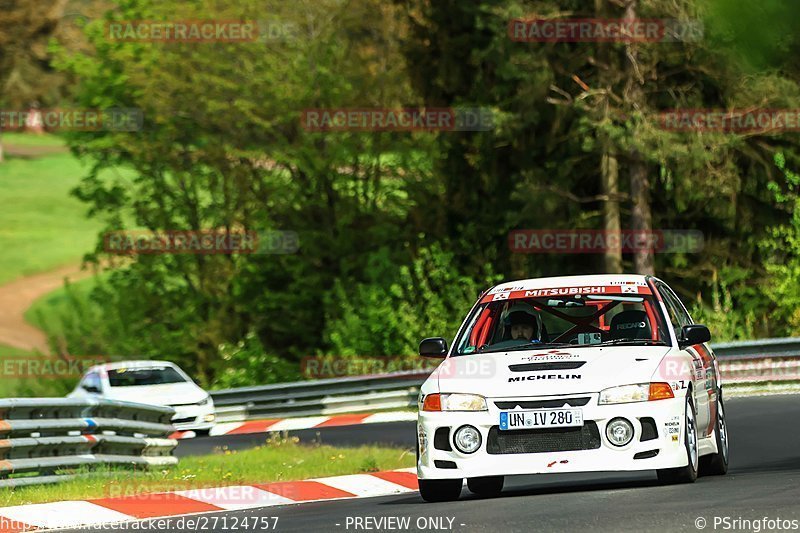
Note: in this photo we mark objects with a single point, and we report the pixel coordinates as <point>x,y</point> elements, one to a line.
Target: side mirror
<point>433,347</point>
<point>694,334</point>
<point>90,388</point>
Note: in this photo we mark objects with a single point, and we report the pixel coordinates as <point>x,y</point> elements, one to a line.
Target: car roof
<point>570,281</point>
<point>132,364</point>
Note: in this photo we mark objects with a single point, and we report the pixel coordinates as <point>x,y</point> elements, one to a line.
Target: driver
<point>524,325</point>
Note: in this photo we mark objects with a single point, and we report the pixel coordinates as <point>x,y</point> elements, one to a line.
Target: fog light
<point>467,439</point>
<point>619,432</point>
<point>209,418</point>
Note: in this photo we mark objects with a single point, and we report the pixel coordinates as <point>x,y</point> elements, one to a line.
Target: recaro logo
<point>632,325</point>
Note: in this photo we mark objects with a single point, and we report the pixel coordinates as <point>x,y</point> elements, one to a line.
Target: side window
<point>683,315</point>
<point>677,314</point>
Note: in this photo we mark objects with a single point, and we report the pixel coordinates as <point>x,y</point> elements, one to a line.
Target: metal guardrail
<point>356,394</point>
<point>399,390</point>
<point>47,436</point>
<point>759,349</point>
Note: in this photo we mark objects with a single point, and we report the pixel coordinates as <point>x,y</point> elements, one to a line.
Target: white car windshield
<point>513,322</point>
<point>137,377</point>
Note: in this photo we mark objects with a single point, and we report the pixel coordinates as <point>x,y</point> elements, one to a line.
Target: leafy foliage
<point>399,231</point>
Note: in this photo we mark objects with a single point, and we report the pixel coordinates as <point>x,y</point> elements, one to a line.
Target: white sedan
<point>151,382</point>
<point>570,374</point>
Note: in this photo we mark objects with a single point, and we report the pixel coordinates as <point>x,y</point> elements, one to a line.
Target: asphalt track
<point>763,483</point>
<point>390,434</point>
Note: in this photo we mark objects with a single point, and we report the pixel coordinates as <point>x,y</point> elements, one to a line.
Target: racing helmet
<point>525,314</point>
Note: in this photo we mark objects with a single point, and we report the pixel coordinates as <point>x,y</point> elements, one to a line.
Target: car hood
<point>166,394</point>
<point>549,372</point>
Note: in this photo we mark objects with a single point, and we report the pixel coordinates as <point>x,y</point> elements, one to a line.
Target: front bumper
<point>194,417</point>
<point>667,415</point>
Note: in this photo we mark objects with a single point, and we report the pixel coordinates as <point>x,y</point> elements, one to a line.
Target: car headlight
<point>467,439</point>
<point>625,394</point>
<point>204,401</point>
<point>454,402</point>
<point>641,392</point>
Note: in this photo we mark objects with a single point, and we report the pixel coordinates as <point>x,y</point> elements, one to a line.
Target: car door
<point>702,360</point>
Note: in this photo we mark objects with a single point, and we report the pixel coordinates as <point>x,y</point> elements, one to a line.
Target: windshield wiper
<point>632,342</point>
<point>527,346</point>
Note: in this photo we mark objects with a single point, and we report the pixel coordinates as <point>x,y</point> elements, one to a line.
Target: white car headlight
<point>204,401</point>
<point>463,402</point>
<point>625,394</point>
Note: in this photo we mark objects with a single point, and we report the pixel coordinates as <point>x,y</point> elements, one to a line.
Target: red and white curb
<point>68,514</point>
<point>310,422</point>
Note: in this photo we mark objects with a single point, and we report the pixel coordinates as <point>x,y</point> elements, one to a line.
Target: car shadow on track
<point>555,484</point>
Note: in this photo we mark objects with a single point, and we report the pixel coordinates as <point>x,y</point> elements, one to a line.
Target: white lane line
<point>235,497</point>
<point>396,416</point>
<point>298,423</point>
<point>62,514</point>
<point>363,485</point>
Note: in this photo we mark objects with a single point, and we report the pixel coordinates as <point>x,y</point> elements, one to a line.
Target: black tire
<point>440,490</point>
<point>486,487</point>
<point>202,432</point>
<point>688,473</point>
<point>717,464</point>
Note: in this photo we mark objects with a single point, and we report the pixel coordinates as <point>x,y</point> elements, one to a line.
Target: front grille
<point>543,404</point>
<point>543,440</point>
<point>558,365</point>
<point>183,420</point>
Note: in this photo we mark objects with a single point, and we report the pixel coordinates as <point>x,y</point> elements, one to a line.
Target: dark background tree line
<point>399,231</point>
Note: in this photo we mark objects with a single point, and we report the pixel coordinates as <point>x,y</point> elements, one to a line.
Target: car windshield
<point>130,377</point>
<point>519,320</point>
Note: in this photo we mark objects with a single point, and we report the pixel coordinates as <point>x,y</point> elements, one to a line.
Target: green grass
<point>278,459</point>
<point>46,311</point>
<point>41,226</point>
<point>28,386</point>
<point>9,385</point>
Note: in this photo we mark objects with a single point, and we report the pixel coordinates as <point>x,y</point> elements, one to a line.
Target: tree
<point>222,147</point>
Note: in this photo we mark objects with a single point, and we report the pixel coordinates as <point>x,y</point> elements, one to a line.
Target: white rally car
<point>570,374</point>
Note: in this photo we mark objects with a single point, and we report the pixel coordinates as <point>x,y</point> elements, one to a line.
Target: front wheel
<point>440,490</point>
<point>688,473</point>
<point>717,464</point>
<point>487,487</point>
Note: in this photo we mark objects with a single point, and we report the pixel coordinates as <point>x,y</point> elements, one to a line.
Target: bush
<point>400,305</point>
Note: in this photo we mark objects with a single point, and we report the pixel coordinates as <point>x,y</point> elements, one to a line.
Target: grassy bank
<point>278,459</point>
<point>41,225</point>
<point>46,312</point>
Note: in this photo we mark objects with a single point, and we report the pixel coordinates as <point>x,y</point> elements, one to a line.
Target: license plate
<point>544,418</point>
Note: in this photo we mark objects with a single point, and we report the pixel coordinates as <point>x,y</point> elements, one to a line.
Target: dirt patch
<point>31,152</point>
<point>16,297</point>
